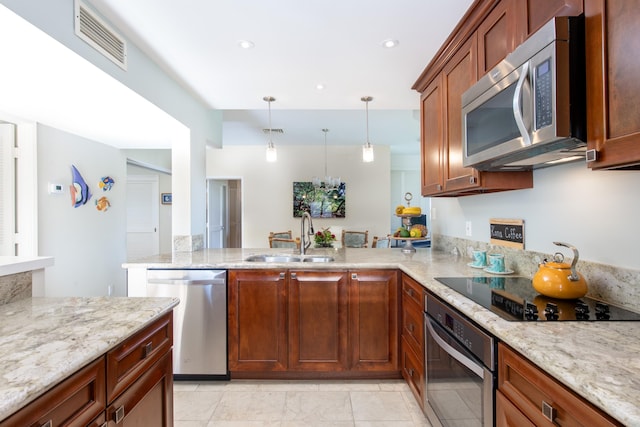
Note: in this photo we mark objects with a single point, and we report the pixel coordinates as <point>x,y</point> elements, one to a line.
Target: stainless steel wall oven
<point>460,368</point>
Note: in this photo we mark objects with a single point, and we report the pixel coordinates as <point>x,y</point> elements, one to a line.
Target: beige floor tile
<point>320,406</point>
<point>348,385</point>
<point>393,385</point>
<point>379,406</point>
<point>250,406</point>
<point>178,423</point>
<point>194,405</point>
<point>244,423</point>
<point>384,424</point>
<point>185,385</point>
<point>301,423</point>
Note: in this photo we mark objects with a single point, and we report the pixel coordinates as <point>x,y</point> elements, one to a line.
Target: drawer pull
<point>147,349</point>
<point>548,411</point>
<point>119,415</point>
<point>48,424</point>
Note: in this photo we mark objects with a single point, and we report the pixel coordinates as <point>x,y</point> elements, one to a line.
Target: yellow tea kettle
<point>558,279</point>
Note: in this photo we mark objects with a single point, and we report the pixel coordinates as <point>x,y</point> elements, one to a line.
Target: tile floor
<point>244,403</point>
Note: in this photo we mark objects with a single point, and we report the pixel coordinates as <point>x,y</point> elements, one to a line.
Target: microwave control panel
<point>543,85</point>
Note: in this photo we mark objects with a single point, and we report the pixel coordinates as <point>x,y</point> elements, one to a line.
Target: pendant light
<point>329,183</point>
<point>272,154</point>
<point>367,148</point>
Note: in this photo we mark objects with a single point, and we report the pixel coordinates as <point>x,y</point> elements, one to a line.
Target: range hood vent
<point>93,30</point>
<point>276,130</point>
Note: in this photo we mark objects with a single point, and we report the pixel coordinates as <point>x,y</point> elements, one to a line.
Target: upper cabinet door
<point>613,87</point>
<point>499,34</point>
<point>458,76</point>
<point>432,139</point>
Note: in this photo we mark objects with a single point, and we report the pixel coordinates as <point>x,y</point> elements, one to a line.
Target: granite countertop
<point>597,360</point>
<point>45,340</point>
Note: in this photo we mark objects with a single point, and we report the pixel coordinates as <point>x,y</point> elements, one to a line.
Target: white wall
<point>596,211</point>
<point>267,188</point>
<point>88,246</point>
<point>405,177</point>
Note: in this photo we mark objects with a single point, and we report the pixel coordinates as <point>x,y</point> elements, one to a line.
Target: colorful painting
<point>106,182</point>
<point>102,204</point>
<point>319,202</point>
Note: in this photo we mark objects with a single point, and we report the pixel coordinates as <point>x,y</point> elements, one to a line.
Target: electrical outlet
<point>467,228</point>
<point>433,213</point>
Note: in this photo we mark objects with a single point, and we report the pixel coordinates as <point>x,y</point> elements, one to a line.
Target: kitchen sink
<point>289,258</point>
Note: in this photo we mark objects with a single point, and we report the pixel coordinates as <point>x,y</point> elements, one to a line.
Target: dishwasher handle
<point>178,282</point>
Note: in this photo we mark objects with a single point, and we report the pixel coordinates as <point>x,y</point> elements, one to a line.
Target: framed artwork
<point>319,202</point>
<point>165,198</point>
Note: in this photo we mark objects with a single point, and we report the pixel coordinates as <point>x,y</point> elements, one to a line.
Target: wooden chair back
<point>355,239</point>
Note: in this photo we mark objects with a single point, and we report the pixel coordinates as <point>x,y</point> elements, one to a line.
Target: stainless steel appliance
<point>199,322</point>
<point>529,111</point>
<point>514,298</point>
<point>460,368</point>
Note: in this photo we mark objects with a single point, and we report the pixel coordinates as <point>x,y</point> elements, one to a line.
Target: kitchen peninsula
<point>577,354</point>
<point>78,358</point>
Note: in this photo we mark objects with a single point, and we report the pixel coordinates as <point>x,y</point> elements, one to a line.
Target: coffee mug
<point>497,263</point>
<point>479,258</point>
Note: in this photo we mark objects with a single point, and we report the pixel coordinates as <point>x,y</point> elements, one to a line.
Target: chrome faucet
<point>305,242</point>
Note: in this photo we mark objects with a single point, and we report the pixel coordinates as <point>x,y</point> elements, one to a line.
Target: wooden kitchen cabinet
<point>487,33</point>
<point>373,321</point>
<point>533,14</point>
<point>525,393</point>
<point>76,401</point>
<point>131,385</point>
<point>313,323</point>
<point>318,310</point>
<point>412,342</point>
<point>257,302</point>
<point>613,88</point>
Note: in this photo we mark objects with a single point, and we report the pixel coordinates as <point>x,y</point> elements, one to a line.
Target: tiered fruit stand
<point>406,222</point>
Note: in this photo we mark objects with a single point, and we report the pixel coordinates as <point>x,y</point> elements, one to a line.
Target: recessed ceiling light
<point>390,43</point>
<point>246,44</point>
<point>320,86</point>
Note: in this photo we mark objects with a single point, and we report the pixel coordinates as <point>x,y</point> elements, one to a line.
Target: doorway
<point>224,213</point>
<point>142,216</point>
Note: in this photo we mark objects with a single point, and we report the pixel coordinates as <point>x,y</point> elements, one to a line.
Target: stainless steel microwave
<point>529,111</point>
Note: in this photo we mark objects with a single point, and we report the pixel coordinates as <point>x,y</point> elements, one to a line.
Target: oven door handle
<point>469,363</point>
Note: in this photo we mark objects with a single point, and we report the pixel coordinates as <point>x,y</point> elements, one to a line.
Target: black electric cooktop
<point>514,298</point>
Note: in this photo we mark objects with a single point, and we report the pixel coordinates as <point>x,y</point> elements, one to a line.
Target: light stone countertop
<point>598,360</point>
<point>45,340</point>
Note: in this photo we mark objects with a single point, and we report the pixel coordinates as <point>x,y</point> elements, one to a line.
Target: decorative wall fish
<point>80,193</point>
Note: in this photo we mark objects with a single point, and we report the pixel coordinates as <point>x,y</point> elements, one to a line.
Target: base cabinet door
<point>148,401</point>
<point>318,304</point>
<point>257,320</point>
<point>373,320</point>
<point>508,414</point>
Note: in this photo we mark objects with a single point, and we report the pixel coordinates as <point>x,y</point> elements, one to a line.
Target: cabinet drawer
<point>413,370</point>
<point>413,291</point>
<point>129,360</point>
<point>413,324</point>
<point>78,400</point>
<point>149,401</point>
<point>533,391</point>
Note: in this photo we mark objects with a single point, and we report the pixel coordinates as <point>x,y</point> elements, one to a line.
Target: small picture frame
<point>165,198</point>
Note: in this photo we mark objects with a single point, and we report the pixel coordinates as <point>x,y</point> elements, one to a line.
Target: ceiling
<point>297,45</point>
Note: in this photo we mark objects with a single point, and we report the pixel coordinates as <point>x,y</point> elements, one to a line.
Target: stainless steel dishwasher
<point>199,321</point>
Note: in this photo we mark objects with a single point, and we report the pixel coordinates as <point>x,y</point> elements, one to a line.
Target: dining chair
<point>281,234</point>
<point>355,239</point>
<point>380,242</point>
<point>276,242</point>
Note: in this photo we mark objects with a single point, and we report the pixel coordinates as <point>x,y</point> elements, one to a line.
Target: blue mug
<point>497,263</point>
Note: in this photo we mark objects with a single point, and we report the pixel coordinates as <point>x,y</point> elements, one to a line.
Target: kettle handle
<point>574,274</point>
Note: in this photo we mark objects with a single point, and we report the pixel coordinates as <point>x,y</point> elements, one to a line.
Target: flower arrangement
<point>324,238</point>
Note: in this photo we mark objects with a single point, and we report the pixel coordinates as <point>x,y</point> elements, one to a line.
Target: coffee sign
<point>507,232</point>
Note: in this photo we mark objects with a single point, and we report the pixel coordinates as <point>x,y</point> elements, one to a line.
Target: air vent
<point>272,130</point>
<point>93,30</point>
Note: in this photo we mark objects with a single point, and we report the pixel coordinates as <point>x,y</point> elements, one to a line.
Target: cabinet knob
<point>591,155</point>
<point>293,275</point>
<point>410,372</point>
<point>282,275</point>
<point>410,292</point>
<point>548,411</point>
<point>118,416</point>
<point>472,180</point>
<point>354,276</point>
<point>439,187</point>
<point>104,424</point>
<point>48,424</point>
<point>410,327</point>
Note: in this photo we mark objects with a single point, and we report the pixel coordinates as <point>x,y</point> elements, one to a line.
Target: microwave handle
<point>517,113</point>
